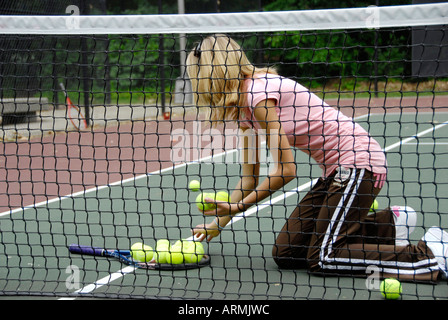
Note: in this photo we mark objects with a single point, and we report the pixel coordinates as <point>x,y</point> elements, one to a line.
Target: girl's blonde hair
<point>217,67</point>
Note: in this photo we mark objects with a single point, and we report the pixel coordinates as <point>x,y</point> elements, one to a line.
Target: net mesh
<point>125,178</point>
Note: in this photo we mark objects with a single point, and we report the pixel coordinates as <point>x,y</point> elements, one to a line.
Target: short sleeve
<point>260,89</point>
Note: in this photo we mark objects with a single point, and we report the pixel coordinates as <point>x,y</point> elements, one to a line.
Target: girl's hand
<point>212,230</point>
<point>206,231</point>
<point>223,208</point>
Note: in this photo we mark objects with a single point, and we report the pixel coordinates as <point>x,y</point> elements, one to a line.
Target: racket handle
<point>93,251</point>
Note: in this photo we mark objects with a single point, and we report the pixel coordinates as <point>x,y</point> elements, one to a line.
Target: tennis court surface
<point>125,179</point>
<point>158,205</point>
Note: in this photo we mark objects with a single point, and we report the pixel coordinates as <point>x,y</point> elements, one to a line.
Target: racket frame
<point>71,108</point>
<point>125,257</point>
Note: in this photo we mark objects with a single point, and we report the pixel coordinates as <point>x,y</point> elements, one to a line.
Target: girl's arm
<point>248,182</point>
<point>284,170</point>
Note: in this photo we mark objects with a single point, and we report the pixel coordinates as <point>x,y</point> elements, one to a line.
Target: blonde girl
<point>331,229</point>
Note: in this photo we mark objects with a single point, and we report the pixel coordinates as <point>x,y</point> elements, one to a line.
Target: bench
<point>21,110</point>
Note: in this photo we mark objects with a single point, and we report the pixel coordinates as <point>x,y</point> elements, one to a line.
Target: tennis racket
<point>74,114</point>
<point>125,257</point>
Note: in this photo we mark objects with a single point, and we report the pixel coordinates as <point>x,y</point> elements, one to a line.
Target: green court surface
<point>158,205</point>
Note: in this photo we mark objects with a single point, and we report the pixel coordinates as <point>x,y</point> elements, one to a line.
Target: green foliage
<point>284,5</point>
<point>336,53</point>
<point>129,67</point>
<point>323,55</point>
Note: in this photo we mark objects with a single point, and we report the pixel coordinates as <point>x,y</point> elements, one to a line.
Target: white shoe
<point>437,240</point>
<point>405,219</point>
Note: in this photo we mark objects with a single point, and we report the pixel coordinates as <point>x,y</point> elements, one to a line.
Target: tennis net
<point>124,178</point>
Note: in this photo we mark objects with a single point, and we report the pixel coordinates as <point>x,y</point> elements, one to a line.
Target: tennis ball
<point>194,252</point>
<point>194,185</point>
<point>202,205</point>
<point>182,244</point>
<point>374,206</point>
<point>175,255</point>
<point>390,288</point>
<point>162,248</point>
<point>141,252</point>
<point>222,196</point>
<point>219,196</point>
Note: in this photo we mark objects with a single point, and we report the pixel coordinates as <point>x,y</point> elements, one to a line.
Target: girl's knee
<point>286,258</point>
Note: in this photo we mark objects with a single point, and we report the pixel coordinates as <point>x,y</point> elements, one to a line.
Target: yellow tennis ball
<point>182,244</point>
<point>162,243</point>
<point>194,185</point>
<point>162,248</point>
<point>175,255</point>
<point>222,196</point>
<point>141,252</point>
<point>374,206</point>
<point>194,252</point>
<point>202,205</point>
<point>390,288</point>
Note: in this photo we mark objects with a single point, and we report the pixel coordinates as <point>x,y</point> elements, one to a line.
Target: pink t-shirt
<point>332,139</point>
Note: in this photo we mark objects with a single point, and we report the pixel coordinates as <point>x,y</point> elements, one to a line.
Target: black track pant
<point>331,231</point>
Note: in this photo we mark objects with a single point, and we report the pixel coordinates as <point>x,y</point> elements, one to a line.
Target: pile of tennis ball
<point>142,252</point>
<point>182,251</point>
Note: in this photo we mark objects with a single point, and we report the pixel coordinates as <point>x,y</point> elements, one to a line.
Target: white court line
<point>94,189</point>
<point>409,139</point>
<point>428,143</point>
<point>116,183</point>
<point>104,281</point>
